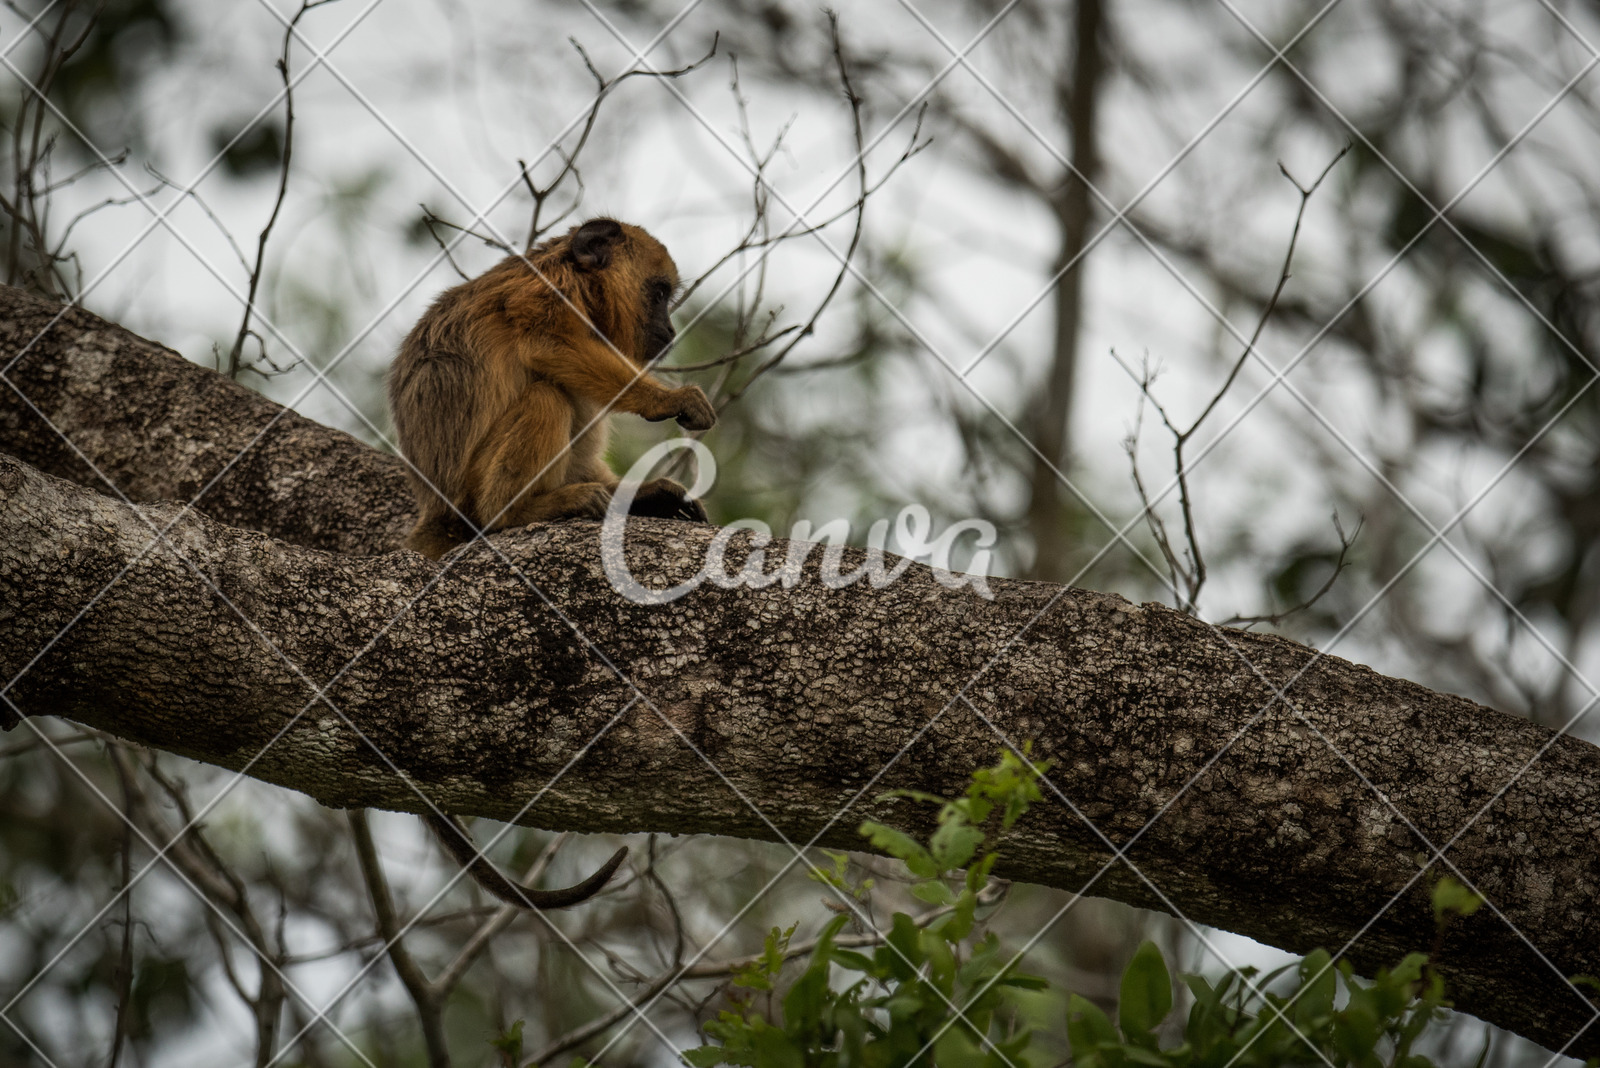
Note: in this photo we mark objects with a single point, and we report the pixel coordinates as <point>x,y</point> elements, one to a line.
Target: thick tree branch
<point>161,428</point>
<point>480,693</point>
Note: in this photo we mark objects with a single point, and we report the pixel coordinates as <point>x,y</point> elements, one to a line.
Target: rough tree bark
<point>482,688</point>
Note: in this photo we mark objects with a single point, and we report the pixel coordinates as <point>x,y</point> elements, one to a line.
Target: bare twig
<point>1189,575</point>
<point>123,979</point>
<point>428,1004</point>
<point>1346,543</point>
<point>236,356</point>
<point>30,258</point>
<point>192,854</point>
<point>865,188</point>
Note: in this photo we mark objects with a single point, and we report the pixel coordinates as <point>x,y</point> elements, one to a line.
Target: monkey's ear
<point>593,242</point>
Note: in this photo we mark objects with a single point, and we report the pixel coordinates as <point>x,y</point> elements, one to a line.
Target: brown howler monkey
<point>498,391</point>
<point>497,397</point>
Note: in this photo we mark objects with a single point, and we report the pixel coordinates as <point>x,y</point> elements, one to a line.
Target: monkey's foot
<point>663,498</point>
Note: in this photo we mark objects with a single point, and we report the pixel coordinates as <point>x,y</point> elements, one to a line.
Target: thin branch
<point>859,135</point>
<point>122,980</point>
<point>235,357</point>
<point>1339,564</point>
<point>1189,578</point>
<point>428,1005</point>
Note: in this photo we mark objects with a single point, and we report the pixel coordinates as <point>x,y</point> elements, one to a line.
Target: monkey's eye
<point>660,292</point>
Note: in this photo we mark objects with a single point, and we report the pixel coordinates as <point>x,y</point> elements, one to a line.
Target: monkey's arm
<point>592,370</point>
<point>454,837</point>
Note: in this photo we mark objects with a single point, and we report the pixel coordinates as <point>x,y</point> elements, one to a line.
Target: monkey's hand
<point>666,499</point>
<point>690,408</point>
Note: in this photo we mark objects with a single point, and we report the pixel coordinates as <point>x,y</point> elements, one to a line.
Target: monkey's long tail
<point>458,842</point>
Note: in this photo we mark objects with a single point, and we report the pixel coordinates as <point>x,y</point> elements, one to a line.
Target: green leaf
<point>1087,1027</point>
<point>914,795</point>
<point>1450,898</point>
<point>934,892</point>
<point>956,1049</point>
<point>1203,994</point>
<point>1317,988</point>
<point>978,960</point>
<point>956,925</point>
<point>509,1042</point>
<point>803,1004</point>
<point>978,874</point>
<point>941,961</point>
<point>773,1049</point>
<point>1146,995</point>
<point>954,844</point>
<point>902,956</point>
<point>903,847</point>
<point>704,1056</point>
<point>849,958</point>
<point>836,878</point>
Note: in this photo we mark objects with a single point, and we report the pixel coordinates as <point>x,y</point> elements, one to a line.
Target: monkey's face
<point>658,332</point>
<point>658,281</point>
<point>640,278</point>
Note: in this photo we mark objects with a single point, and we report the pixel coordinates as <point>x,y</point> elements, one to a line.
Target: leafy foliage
<point>941,994</point>
<point>933,993</point>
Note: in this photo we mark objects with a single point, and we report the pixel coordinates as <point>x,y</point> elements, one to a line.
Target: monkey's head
<point>629,278</point>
